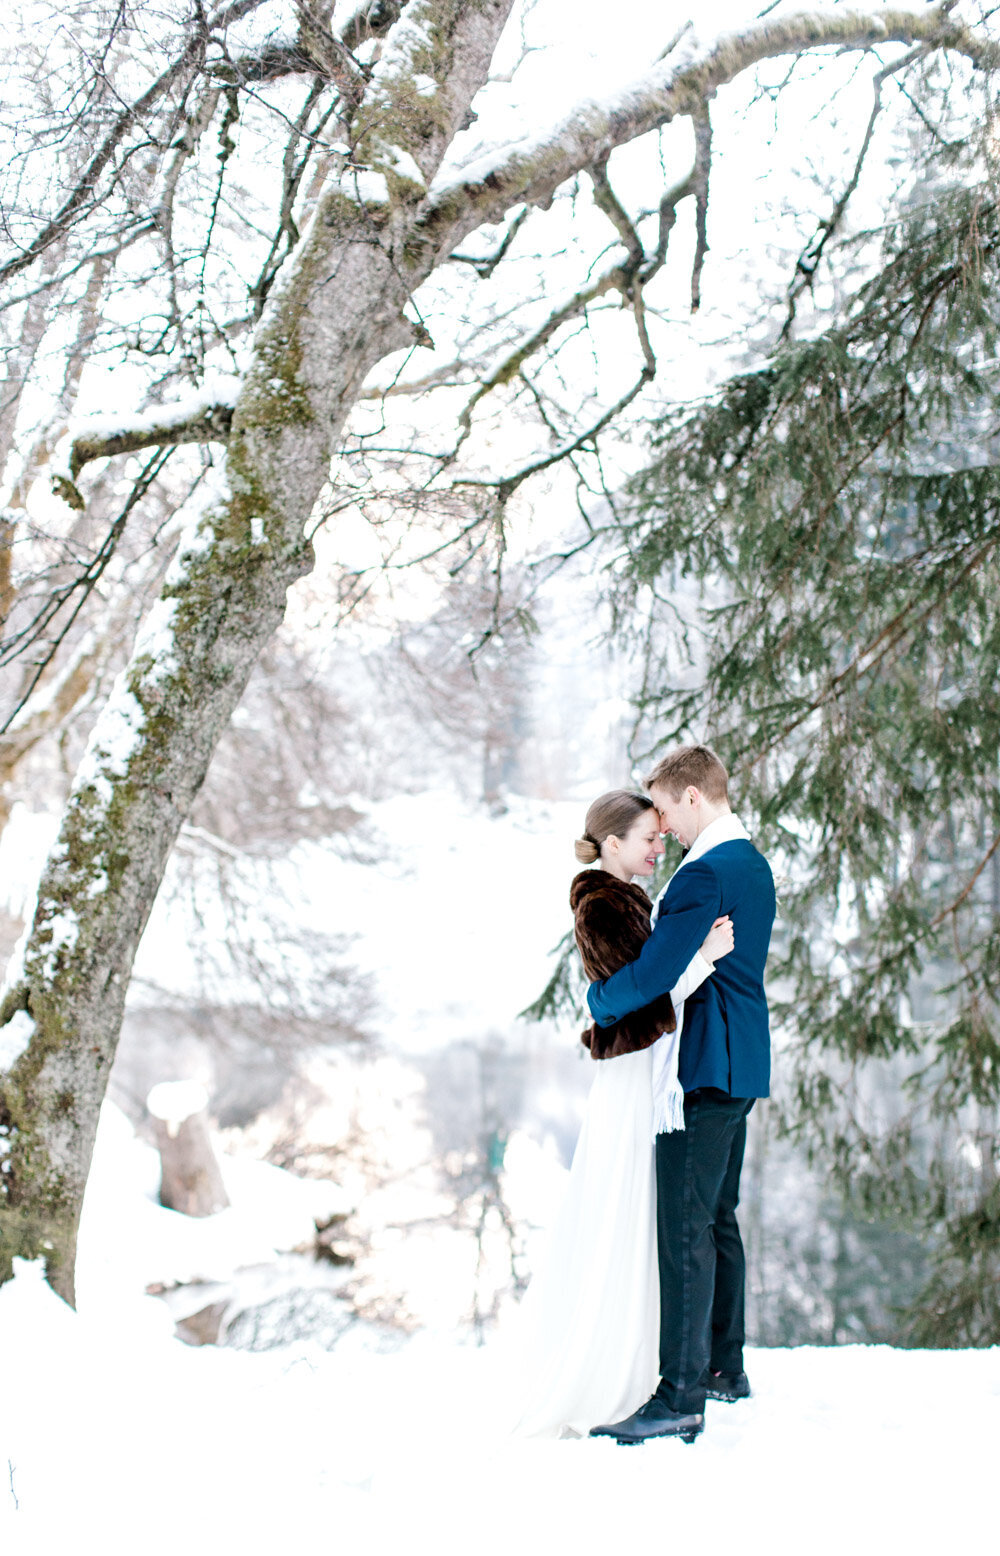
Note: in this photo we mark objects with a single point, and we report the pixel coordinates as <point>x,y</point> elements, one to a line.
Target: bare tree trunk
<point>338,312</point>
<point>190,1179</point>
<point>335,310</point>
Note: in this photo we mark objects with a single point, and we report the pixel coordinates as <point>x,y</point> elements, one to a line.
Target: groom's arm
<point>692,904</point>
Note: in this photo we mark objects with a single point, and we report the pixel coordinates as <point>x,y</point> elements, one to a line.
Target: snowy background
<point>363,1433</point>
<point>348,995</point>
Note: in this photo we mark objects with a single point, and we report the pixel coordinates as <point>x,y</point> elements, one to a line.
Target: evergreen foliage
<point>840,509</point>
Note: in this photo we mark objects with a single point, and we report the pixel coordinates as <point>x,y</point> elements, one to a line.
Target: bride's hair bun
<point>586,850</point>
<point>610,816</point>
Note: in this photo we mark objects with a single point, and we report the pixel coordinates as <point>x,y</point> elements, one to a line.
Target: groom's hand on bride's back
<point>690,907</point>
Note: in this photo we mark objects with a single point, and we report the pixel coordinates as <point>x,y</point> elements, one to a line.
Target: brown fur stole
<point>612,926</point>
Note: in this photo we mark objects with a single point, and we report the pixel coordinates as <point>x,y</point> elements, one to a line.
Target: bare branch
<point>162,427</point>
<point>34,322</point>
<point>485,267</point>
<point>128,234</point>
<point>52,707</point>
<point>197,123</point>
<point>292,173</point>
<point>607,201</point>
<point>702,168</point>
<point>50,433</point>
<point>531,171</point>
<point>85,195</point>
<point>506,486</point>
<point>808,261</point>
<point>509,367</point>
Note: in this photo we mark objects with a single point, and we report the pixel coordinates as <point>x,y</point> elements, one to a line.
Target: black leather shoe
<point>653,1419</point>
<point>728,1386</point>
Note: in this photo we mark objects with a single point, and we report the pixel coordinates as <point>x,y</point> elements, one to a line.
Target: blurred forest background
<point>695,438</point>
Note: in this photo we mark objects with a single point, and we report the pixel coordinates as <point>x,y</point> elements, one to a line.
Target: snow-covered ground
<point>116,1435</point>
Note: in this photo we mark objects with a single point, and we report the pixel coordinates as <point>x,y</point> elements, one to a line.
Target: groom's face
<point>678,816</point>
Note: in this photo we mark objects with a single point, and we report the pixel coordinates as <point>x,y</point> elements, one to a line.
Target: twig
<point>506,486</point>
<point>808,261</point>
<point>485,266</point>
<point>85,195</point>
<point>702,166</point>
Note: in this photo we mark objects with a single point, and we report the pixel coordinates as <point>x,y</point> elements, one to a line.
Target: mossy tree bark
<point>335,311</point>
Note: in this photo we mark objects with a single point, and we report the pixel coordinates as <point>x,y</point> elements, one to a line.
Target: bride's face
<point>641,846</point>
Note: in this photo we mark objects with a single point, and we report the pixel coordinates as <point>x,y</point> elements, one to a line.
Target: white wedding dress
<point>585,1342</point>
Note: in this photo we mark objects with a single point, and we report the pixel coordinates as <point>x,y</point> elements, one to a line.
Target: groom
<point>724,1065</point>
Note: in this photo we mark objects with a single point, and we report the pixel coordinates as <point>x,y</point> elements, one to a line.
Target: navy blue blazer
<point>725,1039</point>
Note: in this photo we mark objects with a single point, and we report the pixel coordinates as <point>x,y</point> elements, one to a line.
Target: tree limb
<point>530,172</point>
<point>506,486</point>
<point>510,365</point>
<point>702,168</point>
<point>163,427</point>
<point>317,49</point>
<point>808,261</point>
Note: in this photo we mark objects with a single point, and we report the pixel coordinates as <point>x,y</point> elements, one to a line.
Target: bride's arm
<point>693,976</point>
<point>717,943</point>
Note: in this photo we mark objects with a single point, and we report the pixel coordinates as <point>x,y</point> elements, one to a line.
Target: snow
<point>63,929</point>
<point>404,44</point>
<point>109,1424</point>
<point>174,1101</point>
<point>24,844</point>
<point>129,1241</point>
<point>116,735</point>
<point>428,846</point>
<point>402,163</point>
<point>112,741</point>
<point>617,88</point>
<point>272,25</point>
<point>218,389</point>
<point>15,1037</point>
<point>155,640</point>
<point>197,535</point>
<point>366,186</point>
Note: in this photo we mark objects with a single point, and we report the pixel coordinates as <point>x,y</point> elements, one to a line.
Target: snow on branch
<point>204,417</point>
<point>313,43</point>
<point>371,19</point>
<point>301,45</point>
<point>531,169</point>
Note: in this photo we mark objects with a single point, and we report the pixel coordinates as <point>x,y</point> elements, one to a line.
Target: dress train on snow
<point>586,1336</point>
<point>585,1341</point>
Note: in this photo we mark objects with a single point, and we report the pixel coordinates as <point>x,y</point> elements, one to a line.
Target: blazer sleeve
<point>692,904</point>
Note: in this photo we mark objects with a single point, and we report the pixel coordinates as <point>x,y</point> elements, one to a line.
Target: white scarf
<point>668,1098</point>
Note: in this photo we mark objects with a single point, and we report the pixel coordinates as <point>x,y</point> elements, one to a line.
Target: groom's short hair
<point>697,765</point>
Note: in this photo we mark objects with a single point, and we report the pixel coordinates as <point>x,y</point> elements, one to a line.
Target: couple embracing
<point>636,1317</point>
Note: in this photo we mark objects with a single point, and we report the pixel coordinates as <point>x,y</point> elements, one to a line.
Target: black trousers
<point>702,1266</point>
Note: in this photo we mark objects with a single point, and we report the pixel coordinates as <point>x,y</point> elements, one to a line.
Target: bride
<point>587,1331</point>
